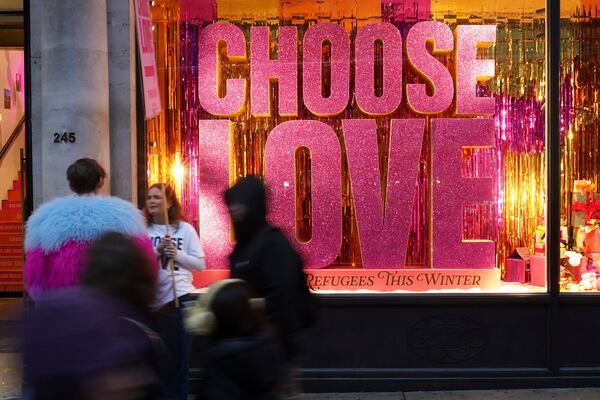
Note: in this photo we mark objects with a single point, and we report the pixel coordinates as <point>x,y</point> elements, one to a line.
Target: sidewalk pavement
<point>521,394</point>
<point>10,360</point>
<point>10,376</point>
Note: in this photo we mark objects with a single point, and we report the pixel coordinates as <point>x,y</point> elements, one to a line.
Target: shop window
<point>402,142</point>
<point>580,147</point>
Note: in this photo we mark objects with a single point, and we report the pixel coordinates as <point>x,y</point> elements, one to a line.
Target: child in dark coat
<point>243,362</point>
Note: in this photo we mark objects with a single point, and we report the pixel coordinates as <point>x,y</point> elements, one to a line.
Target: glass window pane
<point>402,141</point>
<point>580,146</point>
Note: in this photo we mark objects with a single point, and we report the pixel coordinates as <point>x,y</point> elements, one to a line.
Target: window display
<point>402,143</point>
<point>580,141</point>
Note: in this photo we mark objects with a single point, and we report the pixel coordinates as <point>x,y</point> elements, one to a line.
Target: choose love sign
<point>383,230</point>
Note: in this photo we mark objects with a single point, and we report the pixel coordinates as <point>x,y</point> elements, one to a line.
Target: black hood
<point>250,193</point>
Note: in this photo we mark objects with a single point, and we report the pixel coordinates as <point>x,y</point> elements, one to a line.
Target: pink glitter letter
<point>451,191</point>
<point>213,176</point>
<point>209,69</point>
<point>365,69</point>
<point>284,69</point>
<point>383,224</point>
<point>429,67</point>
<point>340,69</point>
<point>469,69</point>
<point>324,146</point>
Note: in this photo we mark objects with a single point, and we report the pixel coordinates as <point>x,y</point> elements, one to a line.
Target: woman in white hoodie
<point>178,243</point>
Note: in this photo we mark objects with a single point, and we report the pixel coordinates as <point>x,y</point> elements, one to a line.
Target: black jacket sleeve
<point>278,269</point>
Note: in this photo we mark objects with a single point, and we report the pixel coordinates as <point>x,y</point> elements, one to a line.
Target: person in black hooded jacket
<point>264,258</point>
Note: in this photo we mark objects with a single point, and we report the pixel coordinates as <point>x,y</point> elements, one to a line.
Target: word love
<point>383,223</point>
<point>224,96</point>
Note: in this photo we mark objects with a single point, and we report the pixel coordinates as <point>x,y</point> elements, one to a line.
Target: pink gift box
<point>515,270</point>
<point>538,270</point>
<point>517,266</point>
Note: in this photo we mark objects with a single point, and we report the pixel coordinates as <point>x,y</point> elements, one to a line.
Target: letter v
<point>383,230</point>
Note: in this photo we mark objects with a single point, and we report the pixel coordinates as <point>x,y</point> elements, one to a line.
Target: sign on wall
<point>445,104</point>
<point>148,63</point>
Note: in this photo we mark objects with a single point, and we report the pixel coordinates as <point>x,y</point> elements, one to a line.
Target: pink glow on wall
<point>324,147</point>
<point>12,76</point>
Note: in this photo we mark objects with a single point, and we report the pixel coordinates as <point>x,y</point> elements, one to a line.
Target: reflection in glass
<point>580,146</point>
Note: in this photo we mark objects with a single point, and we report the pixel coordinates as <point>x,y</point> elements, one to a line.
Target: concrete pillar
<point>35,15</point>
<point>122,96</point>
<point>74,90</point>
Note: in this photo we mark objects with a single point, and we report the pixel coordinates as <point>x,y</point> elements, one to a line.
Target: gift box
<point>517,266</point>
<point>585,204</point>
<point>537,265</point>
<point>578,214</point>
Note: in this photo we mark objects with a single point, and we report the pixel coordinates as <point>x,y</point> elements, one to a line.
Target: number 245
<point>65,137</point>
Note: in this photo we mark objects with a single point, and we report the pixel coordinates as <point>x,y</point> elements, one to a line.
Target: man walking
<point>264,258</point>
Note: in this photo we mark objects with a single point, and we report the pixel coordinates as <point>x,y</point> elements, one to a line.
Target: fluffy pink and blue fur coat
<point>60,232</point>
